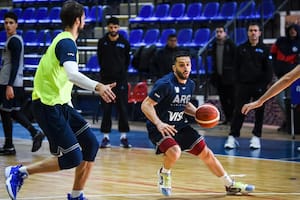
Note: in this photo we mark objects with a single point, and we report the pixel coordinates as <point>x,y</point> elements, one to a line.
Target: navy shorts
<point>61,124</point>
<point>186,138</point>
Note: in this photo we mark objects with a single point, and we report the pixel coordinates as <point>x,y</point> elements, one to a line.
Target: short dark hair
<point>69,12</point>
<point>172,35</point>
<point>252,23</point>
<point>11,15</point>
<point>113,20</point>
<point>223,27</point>
<point>180,54</point>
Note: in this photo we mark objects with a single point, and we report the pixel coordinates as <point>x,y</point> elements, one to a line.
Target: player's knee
<point>71,159</point>
<point>206,154</point>
<point>89,145</point>
<point>174,152</point>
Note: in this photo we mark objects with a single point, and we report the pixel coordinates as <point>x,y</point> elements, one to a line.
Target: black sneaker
<point>37,141</point>
<point>7,151</point>
<point>105,143</point>
<point>124,143</point>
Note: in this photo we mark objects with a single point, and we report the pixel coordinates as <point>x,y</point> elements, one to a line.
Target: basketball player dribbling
<point>170,132</point>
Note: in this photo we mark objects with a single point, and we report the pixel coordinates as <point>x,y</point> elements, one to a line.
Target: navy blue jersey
<point>172,98</point>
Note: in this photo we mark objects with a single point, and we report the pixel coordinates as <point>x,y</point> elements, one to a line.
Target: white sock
<point>106,135</point>
<point>23,169</point>
<point>164,170</point>
<point>123,135</point>
<point>227,180</point>
<point>76,193</point>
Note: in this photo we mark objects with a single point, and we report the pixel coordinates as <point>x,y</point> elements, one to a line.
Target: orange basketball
<point>207,115</point>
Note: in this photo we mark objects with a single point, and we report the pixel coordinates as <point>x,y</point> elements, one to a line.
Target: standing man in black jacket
<point>253,73</point>
<point>163,60</point>
<point>114,58</point>
<point>223,59</point>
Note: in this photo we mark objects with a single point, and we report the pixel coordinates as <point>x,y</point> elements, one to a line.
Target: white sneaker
<point>231,143</point>
<point>164,182</point>
<point>255,143</point>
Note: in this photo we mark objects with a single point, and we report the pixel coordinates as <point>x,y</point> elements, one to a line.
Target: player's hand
<point>9,92</point>
<point>166,129</point>
<point>105,92</point>
<point>250,106</point>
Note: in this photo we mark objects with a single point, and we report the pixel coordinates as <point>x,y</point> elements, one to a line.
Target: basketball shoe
<point>14,180</point>
<point>105,143</point>
<point>37,141</point>
<point>81,197</point>
<point>164,182</point>
<point>231,143</point>
<point>7,150</point>
<point>255,143</point>
<point>239,187</point>
<point>124,143</point>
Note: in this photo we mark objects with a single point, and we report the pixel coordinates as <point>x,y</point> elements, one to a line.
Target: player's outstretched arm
<point>276,88</point>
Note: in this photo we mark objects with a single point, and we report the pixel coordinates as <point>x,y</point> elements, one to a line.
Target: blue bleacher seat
<point>87,13</point>
<point>54,15</point>
<point>18,1</point>
<point>194,65</point>
<point>161,10</point>
<point>176,12</point>
<point>28,15</point>
<point>31,61</point>
<point>42,1</point>
<point>208,68</point>
<point>23,1</point>
<point>2,13</point>
<point>20,32</point>
<point>2,37</point>
<point>265,9</point>
<point>44,37</point>
<point>240,35</point>
<point>56,32</point>
<point>136,36</point>
<point>92,64</point>
<point>201,37</point>
<point>124,33</point>
<point>164,36</point>
<point>184,36</point>
<point>41,14</point>
<point>145,12</point>
<point>18,12</point>
<point>193,10</point>
<point>197,64</point>
<point>210,11</point>
<point>95,14</point>
<point>227,11</point>
<point>150,36</point>
<point>248,12</point>
<point>30,37</point>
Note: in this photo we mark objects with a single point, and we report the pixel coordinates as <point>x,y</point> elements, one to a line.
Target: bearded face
<point>182,67</point>
<point>113,30</point>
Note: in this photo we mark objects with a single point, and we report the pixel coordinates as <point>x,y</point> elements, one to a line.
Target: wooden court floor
<point>130,174</point>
